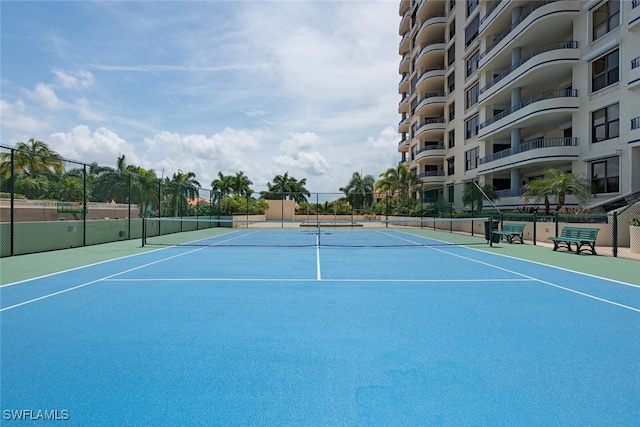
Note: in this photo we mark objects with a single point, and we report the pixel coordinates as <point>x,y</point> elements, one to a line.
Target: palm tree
<point>223,184</point>
<point>180,186</point>
<point>359,190</point>
<point>399,181</point>
<point>475,195</point>
<point>285,186</point>
<point>557,183</point>
<point>241,184</point>
<point>33,158</point>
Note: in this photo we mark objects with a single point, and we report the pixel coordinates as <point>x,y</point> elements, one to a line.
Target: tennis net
<point>388,232</point>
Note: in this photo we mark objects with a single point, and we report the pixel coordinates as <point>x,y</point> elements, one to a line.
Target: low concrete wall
<point>46,210</point>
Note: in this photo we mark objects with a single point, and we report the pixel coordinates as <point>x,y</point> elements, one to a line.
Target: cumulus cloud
<point>102,146</point>
<point>44,95</point>
<point>300,153</point>
<point>12,117</point>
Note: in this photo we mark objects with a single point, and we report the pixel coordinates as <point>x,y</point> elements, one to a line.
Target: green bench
<point>511,231</point>
<point>581,236</point>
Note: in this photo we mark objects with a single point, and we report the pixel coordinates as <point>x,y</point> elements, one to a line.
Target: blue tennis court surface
<point>424,335</point>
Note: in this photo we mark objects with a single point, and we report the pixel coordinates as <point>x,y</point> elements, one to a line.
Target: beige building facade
<point>497,91</point>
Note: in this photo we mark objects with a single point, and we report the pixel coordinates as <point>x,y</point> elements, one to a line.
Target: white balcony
<point>634,73</point>
<point>634,16</point>
<point>543,150</point>
<point>544,108</point>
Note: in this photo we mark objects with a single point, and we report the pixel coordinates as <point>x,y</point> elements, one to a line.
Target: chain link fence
<point>49,203</point>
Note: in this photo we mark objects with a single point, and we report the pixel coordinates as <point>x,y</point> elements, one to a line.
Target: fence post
<point>84,205</point>
<point>535,228</point>
<point>555,219</point>
<point>615,234</point>
<point>12,219</point>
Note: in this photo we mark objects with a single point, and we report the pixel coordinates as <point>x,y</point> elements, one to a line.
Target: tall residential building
<point>496,91</point>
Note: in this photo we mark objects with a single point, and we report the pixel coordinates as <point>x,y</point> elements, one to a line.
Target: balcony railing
<point>490,11</point>
<point>562,93</point>
<point>525,13</point>
<point>513,192</point>
<point>429,148</point>
<point>635,63</point>
<point>428,122</point>
<point>635,3</point>
<point>635,122</point>
<point>430,174</point>
<point>546,48</point>
<point>530,145</point>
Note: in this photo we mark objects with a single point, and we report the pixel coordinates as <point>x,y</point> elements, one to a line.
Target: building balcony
<point>545,108</point>
<point>431,79</point>
<point>404,7</point>
<point>405,23</point>
<point>431,54</point>
<point>634,133</point>
<point>432,177</point>
<point>542,64</point>
<point>634,74</point>
<point>403,106</point>
<point>405,45</point>
<point>434,126</point>
<point>403,145</point>
<point>430,152</point>
<point>403,126</point>
<point>541,20</point>
<point>634,16</point>
<point>403,86</point>
<point>542,150</point>
<point>432,28</point>
<point>405,63</point>
<point>430,103</point>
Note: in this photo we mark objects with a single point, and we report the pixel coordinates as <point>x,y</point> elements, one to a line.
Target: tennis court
<point>321,327</point>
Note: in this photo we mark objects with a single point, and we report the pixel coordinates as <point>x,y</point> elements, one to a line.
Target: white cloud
<point>12,117</point>
<point>66,80</point>
<point>45,96</point>
<point>102,146</point>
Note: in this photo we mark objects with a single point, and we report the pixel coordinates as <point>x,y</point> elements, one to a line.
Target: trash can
<point>492,224</point>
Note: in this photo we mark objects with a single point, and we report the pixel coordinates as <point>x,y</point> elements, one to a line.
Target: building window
<point>451,55</point>
<point>452,111</point>
<point>472,96</point>
<point>605,176</point>
<point>451,169</point>
<point>471,158</point>
<point>471,126</point>
<point>452,29</point>
<point>472,63</point>
<point>452,4</point>
<point>606,18</point>
<point>451,190</point>
<point>605,71</point>
<point>605,123</point>
<point>451,81</point>
<point>452,138</point>
<point>471,6</point>
<point>471,32</point>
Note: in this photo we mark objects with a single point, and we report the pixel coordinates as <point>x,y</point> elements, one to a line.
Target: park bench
<point>581,236</point>
<point>511,231</point>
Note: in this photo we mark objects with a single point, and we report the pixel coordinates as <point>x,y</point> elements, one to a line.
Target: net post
<point>615,234</point>
<point>535,228</point>
<point>144,231</point>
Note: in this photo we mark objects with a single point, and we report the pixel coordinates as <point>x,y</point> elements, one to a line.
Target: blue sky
<point>263,87</point>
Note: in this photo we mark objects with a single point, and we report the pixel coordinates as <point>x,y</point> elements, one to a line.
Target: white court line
<point>96,281</point>
<point>529,277</point>
<point>318,275</point>
<point>227,279</point>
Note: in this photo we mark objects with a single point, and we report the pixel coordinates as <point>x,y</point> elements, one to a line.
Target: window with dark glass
<point>471,158</point>
<point>605,176</point>
<point>471,98</point>
<point>605,123</point>
<point>451,166</point>
<point>471,6</point>
<point>451,54</point>
<point>452,29</point>
<point>452,111</point>
<point>452,138</point>
<point>605,71</point>
<point>451,81</point>
<point>471,126</point>
<point>606,18</point>
<point>472,63</point>
<point>471,32</point>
